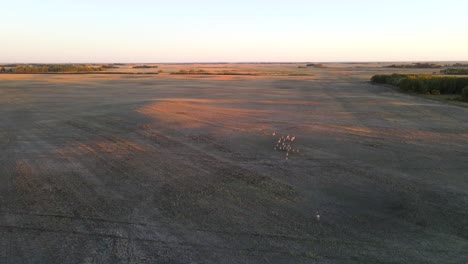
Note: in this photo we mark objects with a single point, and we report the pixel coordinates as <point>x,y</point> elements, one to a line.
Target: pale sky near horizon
<point>66,31</point>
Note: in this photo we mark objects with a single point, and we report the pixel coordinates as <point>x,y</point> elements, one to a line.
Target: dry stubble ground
<point>181,169</point>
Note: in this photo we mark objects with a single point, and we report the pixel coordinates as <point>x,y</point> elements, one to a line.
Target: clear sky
<point>235,30</point>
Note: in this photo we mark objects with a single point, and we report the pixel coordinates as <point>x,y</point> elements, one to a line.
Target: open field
<point>182,168</point>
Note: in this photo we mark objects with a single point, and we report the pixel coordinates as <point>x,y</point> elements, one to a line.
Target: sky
<point>66,31</point>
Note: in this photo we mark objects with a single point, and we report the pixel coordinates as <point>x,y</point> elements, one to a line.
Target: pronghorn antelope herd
<point>286,144</point>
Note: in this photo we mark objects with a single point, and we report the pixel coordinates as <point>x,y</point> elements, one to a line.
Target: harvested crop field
<point>183,169</point>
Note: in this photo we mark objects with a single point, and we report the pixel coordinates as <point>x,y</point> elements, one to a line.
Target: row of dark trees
<point>459,65</point>
<point>51,68</point>
<point>316,65</point>
<point>423,83</point>
<point>415,66</point>
<point>144,67</point>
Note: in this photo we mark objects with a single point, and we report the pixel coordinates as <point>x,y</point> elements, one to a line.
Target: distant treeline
<point>51,68</point>
<point>9,65</point>
<point>144,67</point>
<point>415,66</point>
<point>317,65</point>
<point>425,84</point>
<point>455,71</point>
<point>425,65</point>
<point>458,65</point>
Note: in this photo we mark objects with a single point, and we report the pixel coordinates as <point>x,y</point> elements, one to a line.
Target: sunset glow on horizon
<point>54,31</point>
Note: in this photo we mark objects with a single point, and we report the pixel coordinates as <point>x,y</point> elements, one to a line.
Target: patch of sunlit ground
<point>198,113</point>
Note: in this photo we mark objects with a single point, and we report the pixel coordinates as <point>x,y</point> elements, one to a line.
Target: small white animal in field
<point>274,133</point>
<point>318,216</point>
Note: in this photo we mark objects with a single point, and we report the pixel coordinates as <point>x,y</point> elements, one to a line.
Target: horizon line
<point>241,62</point>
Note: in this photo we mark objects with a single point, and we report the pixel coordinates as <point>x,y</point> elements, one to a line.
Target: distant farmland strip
<point>202,72</point>
<point>90,72</point>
